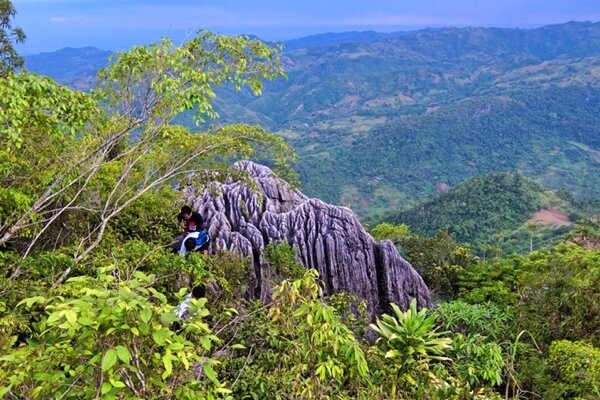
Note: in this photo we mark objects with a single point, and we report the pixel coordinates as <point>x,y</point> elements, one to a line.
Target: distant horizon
<point>119,24</point>
<point>316,35</point>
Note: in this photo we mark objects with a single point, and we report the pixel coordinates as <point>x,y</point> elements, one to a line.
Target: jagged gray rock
<point>326,237</point>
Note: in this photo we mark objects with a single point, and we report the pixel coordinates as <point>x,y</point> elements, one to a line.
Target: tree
<point>40,127</point>
<point>395,233</point>
<point>586,233</point>
<point>533,229</point>
<point>9,59</point>
<point>439,260</point>
<point>117,143</point>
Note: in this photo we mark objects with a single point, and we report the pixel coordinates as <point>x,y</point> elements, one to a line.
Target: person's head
<point>186,211</point>
<point>190,244</point>
<point>198,292</point>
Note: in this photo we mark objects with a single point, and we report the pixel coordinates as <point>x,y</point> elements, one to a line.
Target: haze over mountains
<point>381,121</point>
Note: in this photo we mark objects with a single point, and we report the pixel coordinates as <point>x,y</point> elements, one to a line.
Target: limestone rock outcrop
<point>244,219</point>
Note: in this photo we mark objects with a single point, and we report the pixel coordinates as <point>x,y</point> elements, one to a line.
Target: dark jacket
<point>193,224</point>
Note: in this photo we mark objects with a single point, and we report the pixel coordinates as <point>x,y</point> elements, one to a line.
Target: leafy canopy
<point>9,59</point>
<point>89,156</point>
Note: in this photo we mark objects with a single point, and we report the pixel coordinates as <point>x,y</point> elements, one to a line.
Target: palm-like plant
<point>412,340</point>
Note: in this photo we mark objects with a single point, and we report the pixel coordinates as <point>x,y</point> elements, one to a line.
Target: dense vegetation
<point>90,182</point>
<point>496,210</point>
<point>108,330</point>
<point>475,210</point>
<point>540,308</point>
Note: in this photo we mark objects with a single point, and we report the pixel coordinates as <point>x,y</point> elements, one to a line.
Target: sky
<point>118,24</point>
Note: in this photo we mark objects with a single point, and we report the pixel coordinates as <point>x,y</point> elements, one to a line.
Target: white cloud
<point>59,20</point>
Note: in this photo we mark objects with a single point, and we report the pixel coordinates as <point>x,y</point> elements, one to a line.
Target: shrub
<point>575,367</point>
<point>101,336</point>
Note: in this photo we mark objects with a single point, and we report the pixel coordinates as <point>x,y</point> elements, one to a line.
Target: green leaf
<point>146,314</point>
<point>168,365</point>
<point>35,393</point>
<point>116,383</point>
<point>55,316</point>
<point>205,342</point>
<point>123,354</point>
<point>144,328</point>
<point>32,300</point>
<point>320,372</point>
<point>160,336</point>
<point>168,318</point>
<point>109,360</point>
<point>392,354</point>
<point>71,316</point>
<point>175,346</point>
<point>106,387</point>
<point>210,373</point>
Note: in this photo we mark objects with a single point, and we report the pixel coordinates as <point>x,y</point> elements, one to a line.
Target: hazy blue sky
<point>117,24</point>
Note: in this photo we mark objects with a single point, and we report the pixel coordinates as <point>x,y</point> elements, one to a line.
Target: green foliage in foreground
<point>410,340</point>
<point>98,336</point>
<point>517,311</point>
<point>110,333</point>
<point>576,369</point>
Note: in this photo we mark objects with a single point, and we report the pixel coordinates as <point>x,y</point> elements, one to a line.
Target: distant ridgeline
<point>74,67</point>
<point>380,121</point>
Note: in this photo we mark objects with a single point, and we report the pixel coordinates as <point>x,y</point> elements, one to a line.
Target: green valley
<point>380,120</point>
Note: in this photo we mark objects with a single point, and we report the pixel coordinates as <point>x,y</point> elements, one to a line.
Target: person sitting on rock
<point>195,241</point>
<point>190,221</point>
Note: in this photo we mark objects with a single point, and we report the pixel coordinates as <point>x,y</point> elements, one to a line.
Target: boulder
<point>244,218</point>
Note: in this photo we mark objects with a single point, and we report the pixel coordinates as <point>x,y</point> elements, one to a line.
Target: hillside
<point>293,299</point>
<point>74,67</point>
<point>550,135</point>
<point>380,120</point>
<point>503,209</point>
<point>475,209</point>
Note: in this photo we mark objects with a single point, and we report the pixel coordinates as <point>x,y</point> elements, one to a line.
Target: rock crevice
<point>328,238</point>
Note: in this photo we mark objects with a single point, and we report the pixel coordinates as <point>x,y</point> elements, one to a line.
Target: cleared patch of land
<point>551,217</point>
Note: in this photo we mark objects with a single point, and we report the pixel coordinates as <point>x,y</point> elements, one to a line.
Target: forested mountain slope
<point>380,120</point>
<point>551,135</point>
<point>476,209</point>
<point>506,210</point>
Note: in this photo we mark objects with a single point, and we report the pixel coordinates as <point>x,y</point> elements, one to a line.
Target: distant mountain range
<point>380,121</point>
<point>75,67</point>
